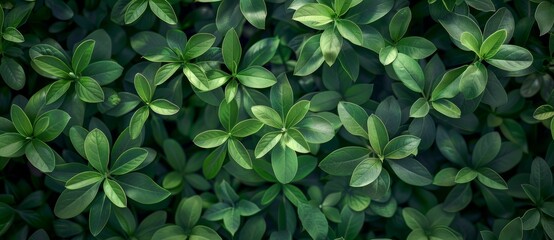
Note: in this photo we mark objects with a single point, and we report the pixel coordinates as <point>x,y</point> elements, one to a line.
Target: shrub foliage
<point>277,119</point>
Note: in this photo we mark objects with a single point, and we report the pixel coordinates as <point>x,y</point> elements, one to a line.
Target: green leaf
<point>73,202</point>
<point>164,107</point>
<point>104,72</point>
<point>211,138</point>
<point>343,161</point>
<point>377,134</point>
<point>163,10</point>
<point>414,219</point>
<point>141,188</point>
<point>401,147</point>
<point>446,177</point>
<point>416,47</point>
<point>456,24</point>
<point>351,31</point>
<point>137,121</point>
<point>296,113</point>
<point>448,85</point>
<point>231,50</point>
<point>52,66</point>
<point>491,179</point>
<point>543,16</point>
<point>213,162</point>
<point>473,81</point>
<point>353,118</point>
<point>458,198</point>
<point>115,193</point>
<point>198,44</point>
<point>100,212</point>
<point>254,11</point>
<point>511,58</point>
<point>466,175</point>
<point>266,143</point>
<point>399,23</point>
<point>296,141</point>
<point>97,150</point>
<point>387,55</point>
<point>20,121</point>
<point>238,152</point>
<point>12,73</point>
<point>314,15</point>
<point>143,87</point>
<point>486,149</point>
<point>420,108</point>
<point>411,171</point>
<point>247,208</point>
<point>170,232</point>
<point>366,172</point>
<point>128,161</point>
<point>256,77</point>
<point>492,44</point>
<point>188,212</point>
<point>544,112</point>
<point>83,179</point>
<point>342,6</point>
<point>447,108</point>
<point>541,177</point>
<point>512,230</point>
<point>313,220</point>
<point>82,55</point>
<point>284,163</point>
<point>409,72</point>
<point>330,44</point>
<point>89,90</point>
<point>40,155</point>
<point>268,116</point>
<point>260,52</point>
<point>246,128</point>
<point>165,72</point>
<point>57,121</point>
<point>134,10</point>
<point>310,58</point>
<point>13,35</point>
<point>469,41</point>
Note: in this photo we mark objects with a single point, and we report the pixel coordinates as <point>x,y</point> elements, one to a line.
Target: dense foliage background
<point>277,119</point>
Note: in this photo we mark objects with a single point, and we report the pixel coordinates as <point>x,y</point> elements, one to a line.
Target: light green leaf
<point>465,175</point>
<point>268,116</point>
<point>97,150</point>
<point>13,35</point>
<point>387,55</point>
<point>128,161</point>
<point>420,108</point>
<point>314,15</point>
<point>310,58</point>
<point>447,108</point>
<point>198,44</point>
<point>142,188</point>
<point>266,143</point>
<point>83,179</point>
<point>143,87</point>
<point>210,138</point>
<point>401,147</point>
<point>163,10</point>
<point>409,72</point>
<point>366,172</point>
<point>246,128</point>
<point>73,202</point>
<point>491,179</point>
<point>353,118</point>
<point>40,155</point>
<point>399,23</point>
<point>20,121</point>
<point>89,90</point>
<point>296,141</point>
<point>296,113</point>
<point>330,44</point>
<point>238,152</point>
<point>416,47</point>
<point>473,81</point>
<point>256,77</point>
<point>115,193</point>
<point>351,31</point>
<point>544,112</point>
<point>254,11</point>
<point>492,44</point>
<point>137,121</point>
<point>511,58</point>
<point>469,41</point>
<point>377,134</point>
<point>82,55</point>
<point>164,107</point>
<point>231,50</point>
